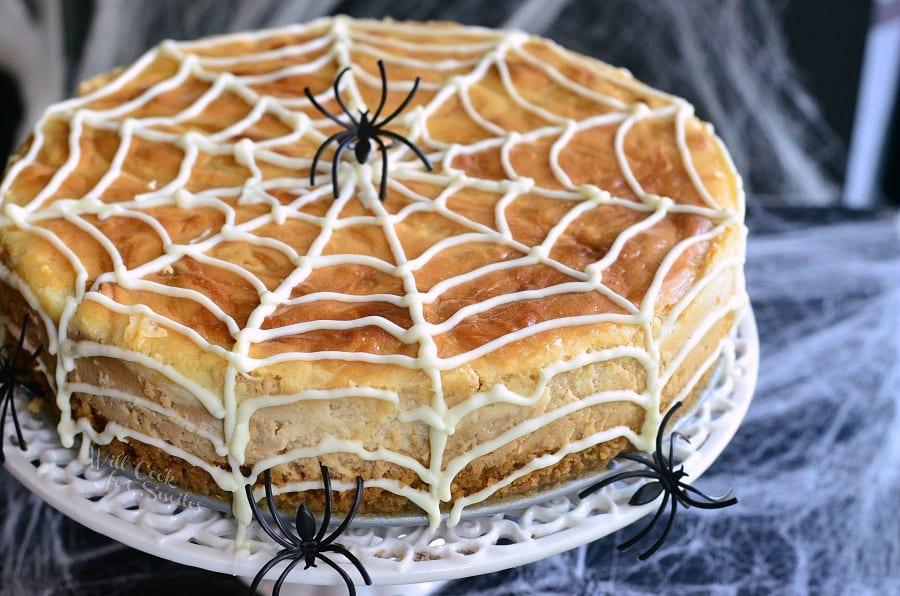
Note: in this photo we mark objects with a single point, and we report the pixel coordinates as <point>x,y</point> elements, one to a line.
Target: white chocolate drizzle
<point>333,39</point>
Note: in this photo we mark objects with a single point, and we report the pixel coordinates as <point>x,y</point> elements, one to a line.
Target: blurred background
<point>804,92</point>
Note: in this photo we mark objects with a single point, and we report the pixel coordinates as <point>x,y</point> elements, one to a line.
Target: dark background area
<point>10,114</point>
<point>827,39</point>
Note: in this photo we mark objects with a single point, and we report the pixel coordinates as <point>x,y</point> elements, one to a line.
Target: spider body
<point>365,132</point>
<point>11,377</point>
<point>666,481</point>
<point>309,543</point>
<point>361,133</point>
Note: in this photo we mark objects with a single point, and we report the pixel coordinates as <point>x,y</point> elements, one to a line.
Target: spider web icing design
<point>182,203</point>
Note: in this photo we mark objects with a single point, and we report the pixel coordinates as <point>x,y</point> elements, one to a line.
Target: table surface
<point>816,464</point>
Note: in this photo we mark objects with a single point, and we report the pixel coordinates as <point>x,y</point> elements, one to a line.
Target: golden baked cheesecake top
<point>166,217</point>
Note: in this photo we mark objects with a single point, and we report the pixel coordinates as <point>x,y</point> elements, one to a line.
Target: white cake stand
<point>124,510</point>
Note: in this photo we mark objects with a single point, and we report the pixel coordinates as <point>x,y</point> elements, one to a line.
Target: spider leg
<point>34,357</point>
<point>335,137</point>
<point>409,144</point>
<point>29,389</point>
<point>383,90</point>
<point>5,398</point>
<point>350,514</point>
<point>670,461</point>
<point>666,464</point>
<point>7,394</point>
<point>402,105</point>
<point>648,528</point>
<point>340,100</point>
<point>276,589</point>
<point>658,456</point>
<point>672,438</point>
<point>321,109</point>
<point>351,589</point>
<point>15,418</point>
<point>665,423</point>
<point>615,478</point>
<point>326,519</point>
<point>281,556</point>
<point>382,190</point>
<point>340,548</point>
<point>642,460</point>
<point>262,521</point>
<point>725,500</point>
<point>270,500</point>
<point>336,162</point>
<point>21,343</point>
<point>662,538</point>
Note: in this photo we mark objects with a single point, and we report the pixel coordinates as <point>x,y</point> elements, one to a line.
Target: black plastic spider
<point>11,373</point>
<point>362,132</point>
<point>309,544</point>
<point>667,480</point>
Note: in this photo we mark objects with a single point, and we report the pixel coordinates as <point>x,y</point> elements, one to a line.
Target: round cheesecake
<point>500,288</point>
